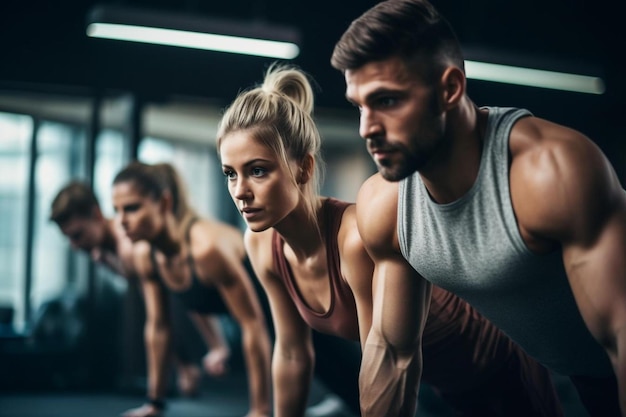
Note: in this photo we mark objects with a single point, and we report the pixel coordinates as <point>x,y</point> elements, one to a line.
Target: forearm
<point>389,379</point>
<point>157,340</point>
<point>210,329</point>
<point>256,348</point>
<point>292,379</point>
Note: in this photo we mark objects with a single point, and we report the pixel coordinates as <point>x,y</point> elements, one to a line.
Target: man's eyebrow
<point>372,95</point>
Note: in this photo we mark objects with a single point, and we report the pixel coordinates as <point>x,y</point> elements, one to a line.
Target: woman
<point>308,255</point>
<point>198,260</point>
<point>75,209</point>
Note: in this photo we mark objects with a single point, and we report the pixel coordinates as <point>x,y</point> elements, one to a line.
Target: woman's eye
<point>258,172</point>
<point>229,174</point>
<point>131,208</point>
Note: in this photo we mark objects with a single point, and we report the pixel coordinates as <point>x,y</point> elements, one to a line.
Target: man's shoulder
<point>376,208</point>
<point>378,192</point>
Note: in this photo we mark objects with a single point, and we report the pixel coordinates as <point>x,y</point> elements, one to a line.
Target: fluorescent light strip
<point>208,41</point>
<point>534,77</point>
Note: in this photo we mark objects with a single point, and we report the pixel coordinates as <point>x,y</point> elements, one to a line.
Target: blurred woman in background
<point>200,261</point>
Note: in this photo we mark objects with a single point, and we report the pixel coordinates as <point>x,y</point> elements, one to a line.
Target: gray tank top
<point>473,248</point>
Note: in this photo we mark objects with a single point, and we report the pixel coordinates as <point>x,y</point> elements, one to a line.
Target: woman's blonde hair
<point>278,113</point>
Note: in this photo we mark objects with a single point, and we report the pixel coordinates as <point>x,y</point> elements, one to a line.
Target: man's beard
<point>399,170</point>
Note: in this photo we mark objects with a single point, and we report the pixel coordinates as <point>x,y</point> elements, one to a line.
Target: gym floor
<point>226,397</point>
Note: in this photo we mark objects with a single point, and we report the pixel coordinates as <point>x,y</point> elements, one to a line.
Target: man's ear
<point>453,82</point>
<point>96,213</point>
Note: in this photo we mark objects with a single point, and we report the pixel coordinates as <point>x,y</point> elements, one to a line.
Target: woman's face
<point>261,187</point>
<point>141,216</point>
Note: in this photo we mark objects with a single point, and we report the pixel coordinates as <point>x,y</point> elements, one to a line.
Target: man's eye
<point>387,101</point>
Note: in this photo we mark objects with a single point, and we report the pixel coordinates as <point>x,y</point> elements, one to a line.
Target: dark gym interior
<point>72,106</point>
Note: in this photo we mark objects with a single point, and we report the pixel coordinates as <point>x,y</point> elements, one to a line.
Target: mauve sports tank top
<point>341,318</point>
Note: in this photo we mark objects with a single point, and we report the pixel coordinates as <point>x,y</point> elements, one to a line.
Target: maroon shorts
<point>477,369</point>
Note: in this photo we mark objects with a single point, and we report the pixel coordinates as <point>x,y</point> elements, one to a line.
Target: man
<point>76,211</point>
<point>521,217</point>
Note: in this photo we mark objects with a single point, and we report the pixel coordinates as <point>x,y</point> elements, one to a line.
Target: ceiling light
<point>534,77</point>
<point>150,26</point>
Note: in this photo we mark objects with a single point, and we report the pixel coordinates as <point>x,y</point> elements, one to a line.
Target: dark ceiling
<point>44,46</point>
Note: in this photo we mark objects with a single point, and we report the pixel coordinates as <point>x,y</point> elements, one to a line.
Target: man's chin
<point>391,175</point>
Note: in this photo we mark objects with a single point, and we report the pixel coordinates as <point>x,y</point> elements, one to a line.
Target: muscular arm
<point>236,288</point>
<point>157,336</point>
<point>293,356</point>
<point>358,268</point>
<point>565,191</point>
<point>392,358</point>
<point>156,331</point>
<point>211,331</point>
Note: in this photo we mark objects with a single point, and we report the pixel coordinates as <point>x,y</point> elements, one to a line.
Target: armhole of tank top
<point>190,262</point>
<point>512,118</point>
<point>400,229</point>
<point>155,276</point>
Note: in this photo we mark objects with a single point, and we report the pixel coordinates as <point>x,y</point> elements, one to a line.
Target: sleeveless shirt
<point>460,347</point>
<point>197,297</point>
<point>341,318</point>
<point>472,247</point>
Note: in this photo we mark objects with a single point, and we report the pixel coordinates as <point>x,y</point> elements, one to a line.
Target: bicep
<point>597,273</point>
<point>401,302</point>
<point>154,294</point>
<point>358,268</point>
<point>566,192</point>
<point>292,332</point>
<point>155,301</point>
<point>236,288</point>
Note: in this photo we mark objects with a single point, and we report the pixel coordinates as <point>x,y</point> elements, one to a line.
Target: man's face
<point>84,233</point>
<point>400,116</point>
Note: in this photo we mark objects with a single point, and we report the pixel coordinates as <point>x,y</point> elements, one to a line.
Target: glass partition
<point>15,139</point>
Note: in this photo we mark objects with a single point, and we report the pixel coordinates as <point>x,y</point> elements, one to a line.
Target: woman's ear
<point>305,172</point>
<point>454,83</point>
<point>167,203</point>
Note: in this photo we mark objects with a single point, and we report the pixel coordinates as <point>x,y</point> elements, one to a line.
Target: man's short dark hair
<point>75,200</point>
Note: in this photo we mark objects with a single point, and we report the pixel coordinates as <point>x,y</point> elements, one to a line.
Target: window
<point>111,157</point>
<point>15,140</point>
<point>61,157</point>
<point>197,166</point>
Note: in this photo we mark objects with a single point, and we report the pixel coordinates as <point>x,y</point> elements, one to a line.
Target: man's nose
<point>368,125</point>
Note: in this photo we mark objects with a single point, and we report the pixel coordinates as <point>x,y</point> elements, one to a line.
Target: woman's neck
<point>169,239</point>
<point>301,233</point>
<point>109,241</point>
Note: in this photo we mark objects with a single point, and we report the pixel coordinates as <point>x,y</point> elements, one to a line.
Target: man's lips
<point>380,153</point>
